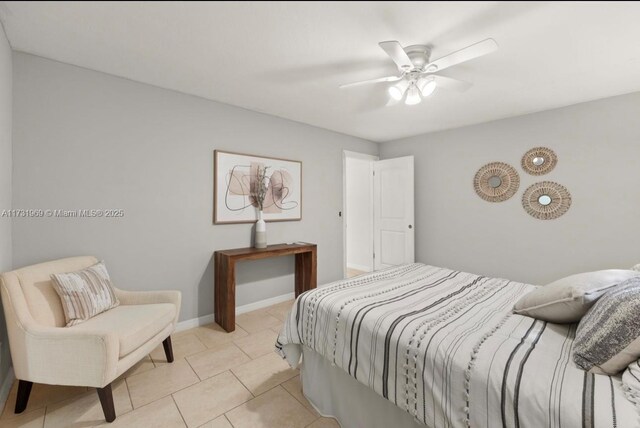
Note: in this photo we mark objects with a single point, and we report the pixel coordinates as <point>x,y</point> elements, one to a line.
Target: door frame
<point>354,155</point>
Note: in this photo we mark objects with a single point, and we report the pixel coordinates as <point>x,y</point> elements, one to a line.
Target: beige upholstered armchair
<point>93,353</point>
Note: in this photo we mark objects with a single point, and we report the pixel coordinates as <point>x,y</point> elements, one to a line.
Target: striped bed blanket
<point>444,346</point>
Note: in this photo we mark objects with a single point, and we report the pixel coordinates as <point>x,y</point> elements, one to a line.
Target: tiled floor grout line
<point>200,380</point>
<point>194,370</point>
<point>185,356</point>
<point>157,364</point>
<point>26,412</point>
<point>171,393</point>
<point>241,350</point>
<point>241,383</point>
<point>303,405</point>
<point>212,349</point>
<point>270,389</point>
<point>44,407</point>
<point>142,407</point>
<point>241,404</point>
<point>188,386</point>
<point>225,416</point>
<point>199,341</point>
<point>235,407</point>
<point>179,411</point>
<point>44,416</point>
<point>200,352</point>
<point>6,403</point>
<point>274,387</point>
<point>129,393</point>
<point>137,374</point>
<point>228,370</point>
<point>232,409</point>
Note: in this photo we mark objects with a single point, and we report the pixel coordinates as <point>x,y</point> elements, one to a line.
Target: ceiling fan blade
<point>470,52</point>
<point>397,54</point>
<point>449,83</point>
<point>366,82</point>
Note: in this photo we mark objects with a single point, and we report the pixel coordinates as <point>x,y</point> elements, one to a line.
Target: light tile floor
<point>354,272</point>
<point>218,380</point>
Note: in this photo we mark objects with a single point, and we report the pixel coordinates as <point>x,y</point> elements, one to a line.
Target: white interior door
<point>393,212</point>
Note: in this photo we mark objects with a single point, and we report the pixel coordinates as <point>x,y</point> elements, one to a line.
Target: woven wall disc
<point>496,182</point>
<point>539,161</point>
<point>546,200</point>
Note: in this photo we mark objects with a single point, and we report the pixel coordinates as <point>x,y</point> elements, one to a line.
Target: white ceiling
<point>288,58</point>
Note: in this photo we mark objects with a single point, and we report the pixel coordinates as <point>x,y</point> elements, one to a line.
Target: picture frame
<point>234,174</point>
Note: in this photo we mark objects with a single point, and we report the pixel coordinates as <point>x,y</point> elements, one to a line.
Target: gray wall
<point>598,145</point>
<point>6,262</point>
<point>84,139</point>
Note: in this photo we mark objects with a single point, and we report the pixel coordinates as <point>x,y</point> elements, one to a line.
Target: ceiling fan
<point>417,77</point>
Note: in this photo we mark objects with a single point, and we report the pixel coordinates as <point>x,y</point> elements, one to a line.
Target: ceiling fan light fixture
<point>413,96</point>
<point>416,79</point>
<point>397,91</point>
<point>427,86</point>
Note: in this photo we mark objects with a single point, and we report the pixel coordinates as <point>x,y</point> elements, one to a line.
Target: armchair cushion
<point>149,297</point>
<point>133,325</point>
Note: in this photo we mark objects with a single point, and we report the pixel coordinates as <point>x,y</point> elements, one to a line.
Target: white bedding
<point>444,346</point>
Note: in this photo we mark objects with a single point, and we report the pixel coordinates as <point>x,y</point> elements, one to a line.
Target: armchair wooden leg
<point>24,389</point>
<point>106,400</point>
<point>168,349</point>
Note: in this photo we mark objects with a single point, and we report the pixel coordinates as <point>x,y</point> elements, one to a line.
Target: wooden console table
<point>225,274</point>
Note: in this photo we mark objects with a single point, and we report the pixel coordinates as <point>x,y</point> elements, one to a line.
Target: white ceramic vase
<point>261,232</point>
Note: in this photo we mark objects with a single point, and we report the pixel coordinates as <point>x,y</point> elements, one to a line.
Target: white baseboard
<point>359,267</point>
<point>264,303</point>
<point>208,319</point>
<point>194,322</point>
<point>5,388</point>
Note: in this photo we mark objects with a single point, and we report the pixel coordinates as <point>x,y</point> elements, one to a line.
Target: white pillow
<point>568,299</point>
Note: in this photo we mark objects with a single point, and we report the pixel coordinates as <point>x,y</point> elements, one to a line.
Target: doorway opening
<point>378,213</point>
<point>358,213</point>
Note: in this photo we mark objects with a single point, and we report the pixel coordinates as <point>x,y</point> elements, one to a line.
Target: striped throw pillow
<point>85,293</point>
<point>608,336</point>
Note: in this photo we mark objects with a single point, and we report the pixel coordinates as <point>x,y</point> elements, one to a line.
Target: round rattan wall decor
<point>546,200</point>
<point>539,161</point>
<point>496,182</point>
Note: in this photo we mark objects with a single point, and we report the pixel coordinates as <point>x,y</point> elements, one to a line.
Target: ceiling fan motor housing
<point>419,56</point>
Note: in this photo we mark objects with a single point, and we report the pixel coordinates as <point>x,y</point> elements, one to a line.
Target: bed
<point>418,345</point>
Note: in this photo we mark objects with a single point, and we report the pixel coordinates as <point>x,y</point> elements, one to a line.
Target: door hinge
<point>374,173</point>
<point>374,255</point>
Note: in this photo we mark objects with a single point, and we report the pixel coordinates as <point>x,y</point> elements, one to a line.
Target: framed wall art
<point>236,182</point>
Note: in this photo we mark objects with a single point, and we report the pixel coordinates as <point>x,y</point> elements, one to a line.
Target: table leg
<point>306,271</point>
<point>225,292</point>
<point>313,269</point>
